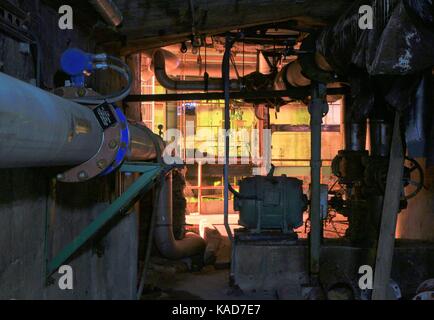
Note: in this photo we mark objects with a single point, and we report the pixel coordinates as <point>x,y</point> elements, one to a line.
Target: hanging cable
<point>243,58</point>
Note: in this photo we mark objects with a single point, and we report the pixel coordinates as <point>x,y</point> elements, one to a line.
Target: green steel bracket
<point>149,173</point>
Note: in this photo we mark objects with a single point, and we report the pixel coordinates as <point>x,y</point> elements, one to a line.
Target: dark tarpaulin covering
<point>420,121</point>
<point>401,42</point>
<point>396,57</point>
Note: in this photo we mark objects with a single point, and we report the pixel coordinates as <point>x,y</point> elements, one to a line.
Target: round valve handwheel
<point>413,178</point>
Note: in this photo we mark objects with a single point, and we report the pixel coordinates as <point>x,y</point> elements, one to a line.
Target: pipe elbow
<point>195,85</point>
<point>160,71</point>
<point>169,247</point>
<point>173,249</point>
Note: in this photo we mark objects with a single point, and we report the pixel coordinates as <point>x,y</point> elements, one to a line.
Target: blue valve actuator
<point>76,63</point>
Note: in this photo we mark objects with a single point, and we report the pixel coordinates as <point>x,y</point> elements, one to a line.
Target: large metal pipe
<point>108,11</point>
<point>225,73</point>
<point>187,85</point>
<point>380,137</point>
<point>143,144</point>
<point>400,42</point>
<point>317,109</point>
<point>192,69</point>
<point>38,128</point>
<point>355,136</point>
<point>169,247</point>
<point>175,67</point>
<point>295,75</point>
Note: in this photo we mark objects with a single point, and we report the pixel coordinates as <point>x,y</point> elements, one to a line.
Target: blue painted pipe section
<point>124,145</point>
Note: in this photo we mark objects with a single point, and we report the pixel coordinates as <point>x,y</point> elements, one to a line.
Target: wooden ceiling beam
<point>156,23</point>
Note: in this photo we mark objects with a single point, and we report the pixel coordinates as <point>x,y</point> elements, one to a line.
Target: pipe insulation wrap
<point>38,128</point>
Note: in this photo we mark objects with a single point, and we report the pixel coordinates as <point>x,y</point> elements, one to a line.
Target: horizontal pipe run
<point>186,85</point>
<point>297,93</point>
<point>38,128</point>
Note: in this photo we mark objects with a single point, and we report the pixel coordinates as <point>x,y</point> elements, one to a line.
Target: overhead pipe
<point>192,69</point>
<point>191,245</point>
<point>212,84</point>
<point>109,11</point>
<point>297,74</point>
<point>175,67</point>
<point>309,67</point>
<point>172,62</point>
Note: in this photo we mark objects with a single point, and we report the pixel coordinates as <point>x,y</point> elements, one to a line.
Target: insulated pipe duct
<point>302,71</point>
<point>108,11</point>
<point>165,241</point>
<point>38,128</point>
<point>213,84</point>
<point>291,74</point>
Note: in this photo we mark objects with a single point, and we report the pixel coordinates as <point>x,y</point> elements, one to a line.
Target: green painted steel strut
<point>149,172</point>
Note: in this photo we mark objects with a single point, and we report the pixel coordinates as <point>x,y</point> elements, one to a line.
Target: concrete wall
<point>28,201</point>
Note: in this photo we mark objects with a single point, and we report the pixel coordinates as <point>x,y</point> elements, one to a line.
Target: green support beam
<point>149,172</point>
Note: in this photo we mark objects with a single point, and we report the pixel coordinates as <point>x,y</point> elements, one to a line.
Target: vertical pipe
<point>226,86</point>
<point>317,108</point>
<point>192,244</point>
<point>199,187</point>
<point>171,113</point>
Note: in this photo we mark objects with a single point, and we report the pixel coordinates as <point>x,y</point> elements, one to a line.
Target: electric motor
<point>268,202</point>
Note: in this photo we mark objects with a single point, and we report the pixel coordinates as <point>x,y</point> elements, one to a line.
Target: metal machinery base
<point>279,264</point>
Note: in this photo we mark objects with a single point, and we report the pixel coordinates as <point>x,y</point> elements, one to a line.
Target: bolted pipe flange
<point>82,175</point>
<point>102,164</point>
<point>112,150</point>
<point>113,144</point>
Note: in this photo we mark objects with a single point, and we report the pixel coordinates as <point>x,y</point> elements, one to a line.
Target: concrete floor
<point>208,284</point>
<point>173,280</point>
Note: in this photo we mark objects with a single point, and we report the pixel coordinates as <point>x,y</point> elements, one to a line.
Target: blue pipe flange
<point>124,145</point>
<point>113,149</point>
